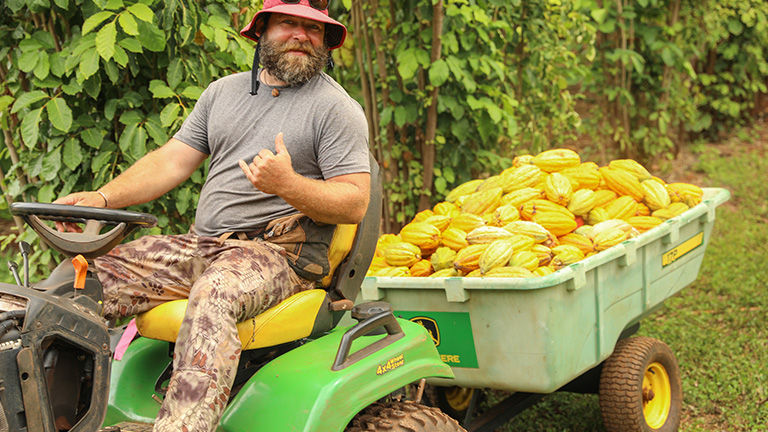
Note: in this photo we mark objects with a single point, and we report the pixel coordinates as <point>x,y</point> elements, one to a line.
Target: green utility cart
<point>565,331</point>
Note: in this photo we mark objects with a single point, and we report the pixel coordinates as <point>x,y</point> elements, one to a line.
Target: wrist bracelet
<point>106,201</point>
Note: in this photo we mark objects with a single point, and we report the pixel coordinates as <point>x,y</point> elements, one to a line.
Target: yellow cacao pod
<point>497,254</point>
<point>466,222</point>
<point>655,195</point>
<point>609,238</point>
<point>586,176</point>
<point>521,196</point>
<point>565,259</point>
<point>510,272</point>
<point>543,253</point>
<point>603,197</point>
<point>377,263</point>
<point>622,182</point>
<point>482,201</point>
<point>525,159</point>
<point>399,271</point>
<point>474,273</point>
<point>674,209</point>
<point>440,222</point>
<point>531,229</point>
<point>642,210</point>
<point>446,272</point>
<point>504,214</point>
<point>445,208</point>
<point>402,254</point>
<point>532,207</point>
<point>582,201</point>
<point>622,207</point>
<point>463,189</point>
<point>611,224</point>
<point>525,259</point>
<point>422,234</point>
<point>384,241</point>
<point>644,223</point>
<point>556,223</point>
<point>490,183</point>
<point>422,268</point>
<point>423,215</point>
<point>454,238</point>
<point>556,159</point>
<point>568,249</point>
<point>515,178</point>
<point>597,215</point>
<point>580,241</point>
<point>558,188</point>
<point>442,258</point>
<point>631,166</point>
<point>468,259</point>
<point>487,234</point>
<point>543,271</point>
<point>686,193</point>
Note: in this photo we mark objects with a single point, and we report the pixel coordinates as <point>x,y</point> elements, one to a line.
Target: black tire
<point>403,417</point>
<point>453,401</point>
<point>640,387</point>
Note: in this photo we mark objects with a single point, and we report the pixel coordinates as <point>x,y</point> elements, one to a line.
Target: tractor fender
<point>301,391</point>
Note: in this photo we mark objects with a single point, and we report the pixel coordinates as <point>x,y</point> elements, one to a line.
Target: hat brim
<point>335,32</point>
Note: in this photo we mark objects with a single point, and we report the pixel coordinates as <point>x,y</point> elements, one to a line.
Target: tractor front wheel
<point>403,417</point>
<point>640,387</point>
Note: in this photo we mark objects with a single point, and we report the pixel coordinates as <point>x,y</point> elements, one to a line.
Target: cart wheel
<point>453,401</point>
<point>640,388</point>
<point>403,417</point>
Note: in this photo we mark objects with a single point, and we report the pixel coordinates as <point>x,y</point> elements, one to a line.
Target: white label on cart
<point>684,247</point>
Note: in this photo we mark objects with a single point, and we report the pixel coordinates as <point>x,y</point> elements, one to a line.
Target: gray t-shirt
<point>324,129</point>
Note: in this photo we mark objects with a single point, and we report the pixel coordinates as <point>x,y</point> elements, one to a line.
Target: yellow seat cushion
<point>289,320</point>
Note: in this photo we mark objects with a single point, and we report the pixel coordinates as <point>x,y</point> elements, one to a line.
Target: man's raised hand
<point>270,172</point>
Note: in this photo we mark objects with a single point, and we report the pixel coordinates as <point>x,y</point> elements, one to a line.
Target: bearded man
<point>288,150</point>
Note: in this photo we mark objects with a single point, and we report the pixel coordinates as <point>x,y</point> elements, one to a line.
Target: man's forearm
<point>330,201</point>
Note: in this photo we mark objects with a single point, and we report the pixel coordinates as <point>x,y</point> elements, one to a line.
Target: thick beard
<point>292,70</point>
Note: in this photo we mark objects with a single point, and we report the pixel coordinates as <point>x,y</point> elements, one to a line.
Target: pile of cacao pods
<point>539,215</point>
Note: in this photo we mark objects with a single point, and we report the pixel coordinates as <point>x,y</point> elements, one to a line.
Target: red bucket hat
<point>335,32</point>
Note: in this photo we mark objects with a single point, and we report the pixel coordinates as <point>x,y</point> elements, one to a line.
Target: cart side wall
<point>536,335</point>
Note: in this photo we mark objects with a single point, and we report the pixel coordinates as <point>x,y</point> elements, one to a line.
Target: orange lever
<point>81,269</point>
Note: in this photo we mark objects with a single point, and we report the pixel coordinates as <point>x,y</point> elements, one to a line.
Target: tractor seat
<point>301,315</point>
<point>308,313</point>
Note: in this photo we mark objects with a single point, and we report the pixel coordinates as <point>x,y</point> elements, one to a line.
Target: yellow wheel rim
<point>657,395</point>
<point>459,397</point>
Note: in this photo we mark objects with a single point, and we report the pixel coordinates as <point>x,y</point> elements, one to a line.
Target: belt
<point>244,235</point>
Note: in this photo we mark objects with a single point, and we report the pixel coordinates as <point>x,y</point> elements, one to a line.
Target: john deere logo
<point>431,326</point>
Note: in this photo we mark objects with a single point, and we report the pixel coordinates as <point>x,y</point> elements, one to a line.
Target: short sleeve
<point>343,144</point>
<point>194,130</point>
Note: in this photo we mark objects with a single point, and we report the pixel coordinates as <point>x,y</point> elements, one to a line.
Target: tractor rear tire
<point>403,417</point>
<point>640,387</point>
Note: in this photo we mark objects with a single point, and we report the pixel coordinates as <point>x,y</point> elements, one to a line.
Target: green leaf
<point>5,102</point>
<point>151,37</point>
<point>89,64</point>
<point>30,127</point>
<point>408,64</point>
<point>105,40</point>
<point>27,99</point>
<point>59,114</point>
<point>131,44</point>
<point>101,159</point>
<point>94,20</point>
<point>141,11</point>
<point>175,72</point>
<point>51,164</point>
<point>156,131</point>
<point>92,137</point>
<point>160,90</point>
<point>62,3</point>
<point>126,138</point>
<point>169,114</point>
<point>28,60</point>
<point>43,66</point>
<point>192,92</point>
<point>92,86</point>
<point>112,72</point>
<point>130,117</point>
<point>121,57</point>
<point>128,24</point>
<point>599,15</point>
<point>72,88</point>
<point>110,108</point>
<point>47,193</point>
<point>439,73</point>
<point>401,115</point>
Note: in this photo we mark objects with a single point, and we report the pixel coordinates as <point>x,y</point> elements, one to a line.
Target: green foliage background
<point>452,88</point>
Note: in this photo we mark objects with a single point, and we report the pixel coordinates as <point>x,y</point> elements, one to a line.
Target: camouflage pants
<point>226,281</point>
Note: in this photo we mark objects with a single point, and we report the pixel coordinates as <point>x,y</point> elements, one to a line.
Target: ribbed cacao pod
<point>422,234</point>
<point>442,258</point>
<point>532,207</point>
<point>531,229</point>
<point>631,166</point>
<point>655,195</point>
<point>447,272</point>
<point>521,196</point>
<point>622,207</point>
<point>474,273</point>
<point>466,222</point>
<point>520,177</point>
<point>525,159</point>
<point>597,215</point>
<point>510,272</point>
<point>482,201</point>
<point>674,209</point>
<point>423,215</point>
<point>398,271</point>
<point>582,201</point>
<point>384,241</point>
<point>402,254</point>
<point>644,223</point>
<point>642,210</point>
<point>422,268</point>
<point>586,176</point>
<point>504,214</point>
<point>582,242</point>
<point>608,238</point>
<point>543,271</point>
<point>446,208</point>
<point>525,259</point>
<point>463,189</point>
<point>556,223</point>
<point>558,189</point>
<point>622,182</point>
<point>497,254</point>
<point>556,159</point>
<point>603,197</point>
<point>543,253</point>
<point>490,183</point>
<point>454,238</point>
<point>377,263</point>
<point>686,193</point>
<point>468,259</point>
<point>487,234</point>
<point>441,222</point>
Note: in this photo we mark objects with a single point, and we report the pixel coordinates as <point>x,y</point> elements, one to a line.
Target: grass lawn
<point>717,327</point>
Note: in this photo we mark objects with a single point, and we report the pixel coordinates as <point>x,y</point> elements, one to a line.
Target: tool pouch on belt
<point>305,243</point>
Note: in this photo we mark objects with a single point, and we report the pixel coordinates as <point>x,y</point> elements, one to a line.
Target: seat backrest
<point>346,280</point>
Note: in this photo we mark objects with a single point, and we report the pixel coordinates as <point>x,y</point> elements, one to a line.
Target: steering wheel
<point>90,243</point>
